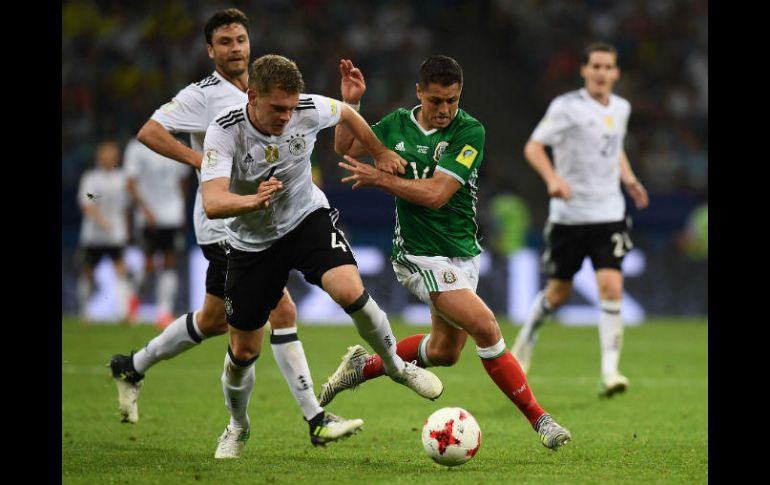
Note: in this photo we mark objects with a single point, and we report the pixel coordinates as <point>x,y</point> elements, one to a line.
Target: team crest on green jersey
<point>439,150</point>
<point>271,153</point>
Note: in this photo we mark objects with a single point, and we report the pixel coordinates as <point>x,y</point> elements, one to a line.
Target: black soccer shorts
<point>255,280</point>
<point>605,243</point>
<point>217,270</point>
<point>162,239</point>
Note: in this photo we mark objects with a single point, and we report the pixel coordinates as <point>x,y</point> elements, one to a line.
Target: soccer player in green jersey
<point>435,251</point>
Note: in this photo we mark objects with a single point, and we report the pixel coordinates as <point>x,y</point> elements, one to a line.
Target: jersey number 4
<point>338,244</point>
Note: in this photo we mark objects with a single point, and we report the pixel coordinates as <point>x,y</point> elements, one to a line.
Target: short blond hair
<point>274,71</point>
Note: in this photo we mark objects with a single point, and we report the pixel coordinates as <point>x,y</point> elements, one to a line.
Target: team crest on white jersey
<point>439,150</point>
<point>449,277</point>
<point>271,153</point>
<point>297,144</point>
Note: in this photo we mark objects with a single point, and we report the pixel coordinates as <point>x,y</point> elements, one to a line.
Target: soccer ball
<point>451,436</point>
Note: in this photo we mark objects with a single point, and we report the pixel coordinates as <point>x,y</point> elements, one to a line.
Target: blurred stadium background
<point>121,60</point>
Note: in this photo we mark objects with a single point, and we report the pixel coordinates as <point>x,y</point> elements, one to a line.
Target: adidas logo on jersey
<point>400,146</point>
<point>248,159</point>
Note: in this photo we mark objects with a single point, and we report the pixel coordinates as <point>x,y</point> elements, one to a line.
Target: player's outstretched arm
<point>352,89</point>
<point>384,159</point>
<point>159,140</point>
<point>431,192</point>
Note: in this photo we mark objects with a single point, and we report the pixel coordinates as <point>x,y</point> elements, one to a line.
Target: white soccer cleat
<point>613,384</point>
<point>348,375</point>
<point>128,395</point>
<point>422,381</point>
<point>232,442</point>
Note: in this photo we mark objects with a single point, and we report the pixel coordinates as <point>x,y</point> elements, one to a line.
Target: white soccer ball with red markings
<point>451,436</point>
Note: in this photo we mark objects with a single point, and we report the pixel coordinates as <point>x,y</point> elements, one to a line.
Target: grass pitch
<point>655,433</point>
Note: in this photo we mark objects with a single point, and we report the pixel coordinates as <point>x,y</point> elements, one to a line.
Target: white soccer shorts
<point>422,275</point>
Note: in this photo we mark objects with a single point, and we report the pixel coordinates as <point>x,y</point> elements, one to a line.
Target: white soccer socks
<point>610,335</point>
<point>373,326</point>
<point>237,384</point>
<point>182,334</point>
<point>290,356</point>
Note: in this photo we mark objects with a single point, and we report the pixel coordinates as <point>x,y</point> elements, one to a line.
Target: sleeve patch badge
<point>334,106</point>
<point>170,106</point>
<point>210,159</point>
<point>466,156</point>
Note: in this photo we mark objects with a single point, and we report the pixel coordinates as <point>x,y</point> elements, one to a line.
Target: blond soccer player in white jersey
<point>158,186</point>
<point>256,174</point>
<point>191,111</point>
<point>585,129</point>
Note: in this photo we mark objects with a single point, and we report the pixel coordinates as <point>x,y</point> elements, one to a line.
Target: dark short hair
<point>598,47</point>
<point>442,70</point>
<point>225,17</point>
<point>274,71</point>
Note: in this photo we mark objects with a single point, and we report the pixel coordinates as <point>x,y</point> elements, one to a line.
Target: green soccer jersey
<point>456,150</point>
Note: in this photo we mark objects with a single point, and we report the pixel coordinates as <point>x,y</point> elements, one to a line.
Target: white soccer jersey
<point>159,183</point>
<point>235,149</point>
<point>107,190</point>
<point>191,111</point>
<point>587,140</point>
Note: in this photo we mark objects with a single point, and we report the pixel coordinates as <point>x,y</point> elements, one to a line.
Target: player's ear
<point>210,50</point>
<point>418,91</point>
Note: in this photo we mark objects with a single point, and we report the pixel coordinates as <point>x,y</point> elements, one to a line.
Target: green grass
<point>655,433</point>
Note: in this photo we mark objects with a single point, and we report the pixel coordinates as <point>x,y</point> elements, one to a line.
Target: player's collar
<point>254,131</point>
<point>584,92</point>
<point>227,83</point>
<point>414,119</point>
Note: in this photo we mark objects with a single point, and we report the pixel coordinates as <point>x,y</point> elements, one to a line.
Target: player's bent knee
<point>211,325</point>
<point>348,296</point>
<point>284,315</point>
<point>610,292</point>
<point>446,357</point>
<point>486,332</point>
<point>558,298</point>
<point>244,353</point>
